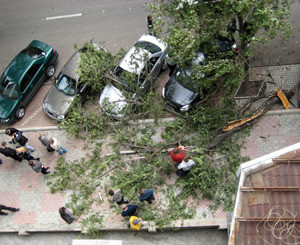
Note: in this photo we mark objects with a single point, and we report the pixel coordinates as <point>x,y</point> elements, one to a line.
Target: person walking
<point>9,152</point>
<point>136,223</point>
<point>146,195</point>
<point>185,166</point>
<point>128,210</point>
<point>3,207</point>
<point>45,141</point>
<point>38,167</point>
<point>117,197</point>
<point>177,154</point>
<point>54,143</point>
<point>22,152</point>
<point>18,137</point>
<point>66,215</point>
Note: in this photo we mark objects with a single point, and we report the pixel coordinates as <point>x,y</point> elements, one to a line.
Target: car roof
<point>135,58</point>
<point>71,67</point>
<point>20,64</point>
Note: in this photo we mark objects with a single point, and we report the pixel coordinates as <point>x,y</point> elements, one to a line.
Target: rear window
<point>152,48</point>
<point>33,52</point>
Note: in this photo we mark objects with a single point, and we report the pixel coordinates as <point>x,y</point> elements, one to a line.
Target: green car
<point>23,77</point>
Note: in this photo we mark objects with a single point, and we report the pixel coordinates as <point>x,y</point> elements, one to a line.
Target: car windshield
<point>126,77</point>
<point>33,52</point>
<point>224,46</point>
<point>66,84</point>
<point>8,88</point>
<point>152,48</point>
<point>187,78</point>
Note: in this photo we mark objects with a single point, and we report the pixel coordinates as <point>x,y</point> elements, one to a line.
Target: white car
<point>136,71</point>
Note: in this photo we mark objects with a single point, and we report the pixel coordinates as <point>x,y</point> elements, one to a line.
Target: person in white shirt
<point>185,166</point>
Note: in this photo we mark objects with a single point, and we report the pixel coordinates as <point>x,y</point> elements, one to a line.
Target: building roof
<point>267,208</point>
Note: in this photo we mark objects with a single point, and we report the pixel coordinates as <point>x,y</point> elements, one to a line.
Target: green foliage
<point>213,177</point>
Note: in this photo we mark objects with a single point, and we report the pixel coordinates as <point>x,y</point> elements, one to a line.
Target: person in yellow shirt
<point>135,223</point>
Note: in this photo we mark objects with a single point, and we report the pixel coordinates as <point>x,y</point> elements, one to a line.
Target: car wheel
<point>20,113</point>
<point>50,71</point>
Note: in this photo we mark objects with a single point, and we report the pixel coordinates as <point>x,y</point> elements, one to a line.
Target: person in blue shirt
<point>146,195</point>
<point>128,210</point>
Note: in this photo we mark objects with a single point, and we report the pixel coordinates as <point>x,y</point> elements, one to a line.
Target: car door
<point>155,62</point>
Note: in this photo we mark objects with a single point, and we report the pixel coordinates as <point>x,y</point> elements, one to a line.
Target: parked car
<point>221,45</point>
<point>66,87</point>
<point>139,67</point>
<point>179,92</point>
<point>23,77</point>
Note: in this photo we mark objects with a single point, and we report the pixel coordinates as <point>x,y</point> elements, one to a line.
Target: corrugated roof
<point>269,211</point>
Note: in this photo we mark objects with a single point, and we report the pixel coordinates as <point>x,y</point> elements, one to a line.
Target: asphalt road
<point>62,23</point>
<point>277,52</point>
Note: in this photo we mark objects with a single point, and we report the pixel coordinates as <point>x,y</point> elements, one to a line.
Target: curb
<point>151,121</point>
<point>150,226</point>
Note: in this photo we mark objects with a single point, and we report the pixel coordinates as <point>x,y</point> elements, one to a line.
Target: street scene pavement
<point>23,188</point>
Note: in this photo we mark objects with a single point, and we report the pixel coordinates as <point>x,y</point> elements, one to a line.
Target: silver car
<point>66,87</point>
<point>141,64</point>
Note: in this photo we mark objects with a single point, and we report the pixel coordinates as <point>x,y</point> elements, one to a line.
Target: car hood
<point>177,93</point>
<point>7,107</point>
<point>56,102</point>
<point>112,101</point>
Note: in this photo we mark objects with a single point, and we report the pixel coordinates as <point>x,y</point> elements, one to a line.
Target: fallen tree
<point>238,125</point>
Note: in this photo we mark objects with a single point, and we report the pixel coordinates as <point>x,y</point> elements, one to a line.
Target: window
<point>152,48</point>
<point>29,75</point>
<point>33,52</point>
<point>66,84</point>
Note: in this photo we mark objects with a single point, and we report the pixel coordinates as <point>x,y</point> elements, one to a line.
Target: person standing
<point>231,29</point>
<point>38,167</point>
<point>128,210</point>
<point>150,25</point>
<point>117,197</point>
<point>45,141</point>
<point>146,195</point>
<point>54,143</point>
<point>18,137</point>
<point>185,166</point>
<point>177,154</point>
<point>3,207</point>
<point>9,152</point>
<point>136,223</point>
<point>66,215</point>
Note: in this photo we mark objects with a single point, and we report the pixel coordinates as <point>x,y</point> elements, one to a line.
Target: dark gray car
<point>66,87</point>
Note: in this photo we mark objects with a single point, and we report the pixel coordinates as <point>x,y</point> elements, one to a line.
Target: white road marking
<point>64,16</point>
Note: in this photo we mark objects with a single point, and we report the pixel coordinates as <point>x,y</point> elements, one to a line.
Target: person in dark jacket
<point>18,137</point>
<point>128,210</point>
<point>9,152</point>
<point>3,207</point>
<point>22,152</point>
<point>66,215</point>
<point>146,195</point>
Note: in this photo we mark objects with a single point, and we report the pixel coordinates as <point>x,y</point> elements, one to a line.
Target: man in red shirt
<point>177,154</point>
